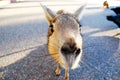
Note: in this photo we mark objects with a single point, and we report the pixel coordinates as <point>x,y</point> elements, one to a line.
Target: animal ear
<point>78,13</point>
<point>50,15</point>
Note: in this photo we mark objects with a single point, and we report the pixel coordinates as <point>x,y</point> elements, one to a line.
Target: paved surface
<point>23,53</point>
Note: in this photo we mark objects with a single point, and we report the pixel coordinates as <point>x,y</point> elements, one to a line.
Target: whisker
<point>56,60</point>
<point>53,60</point>
<point>55,45</point>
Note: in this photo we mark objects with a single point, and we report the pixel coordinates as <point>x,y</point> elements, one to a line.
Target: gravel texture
<point>23,50</point>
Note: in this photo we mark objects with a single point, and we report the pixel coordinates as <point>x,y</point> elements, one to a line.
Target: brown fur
<point>105,4</point>
<point>66,36</point>
<point>63,38</point>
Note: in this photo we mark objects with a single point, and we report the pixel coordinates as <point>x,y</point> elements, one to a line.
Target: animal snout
<point>71,52</point>
<point>70,58</point>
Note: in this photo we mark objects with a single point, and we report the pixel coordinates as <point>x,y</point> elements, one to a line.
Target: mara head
<point>64,37</point>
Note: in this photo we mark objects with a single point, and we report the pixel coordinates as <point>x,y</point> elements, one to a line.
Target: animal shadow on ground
<point>99,61</point>
<point>36,65</point>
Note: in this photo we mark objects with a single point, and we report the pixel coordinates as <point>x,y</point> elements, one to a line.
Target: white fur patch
<point>78,59</point>
<point>76,63</point>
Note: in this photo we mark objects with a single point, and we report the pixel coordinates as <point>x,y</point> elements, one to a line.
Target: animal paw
<point>57,72</point>
<point>66,77</point>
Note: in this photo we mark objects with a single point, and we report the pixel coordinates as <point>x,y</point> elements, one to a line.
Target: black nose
<point>68,48</point>
<point>70,53</point>
<point>77,52</point>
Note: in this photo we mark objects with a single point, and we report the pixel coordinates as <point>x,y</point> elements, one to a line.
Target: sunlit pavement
<point>23,53</point>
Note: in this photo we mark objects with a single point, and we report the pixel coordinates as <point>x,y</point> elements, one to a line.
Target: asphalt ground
<point>23,51</point>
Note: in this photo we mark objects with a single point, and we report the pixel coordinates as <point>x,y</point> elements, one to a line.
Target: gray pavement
<point>23,52</point>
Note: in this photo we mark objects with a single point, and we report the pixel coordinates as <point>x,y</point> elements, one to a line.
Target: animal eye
<point>80,25</point>
<point>77,52</point>
<point>51,26</point>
